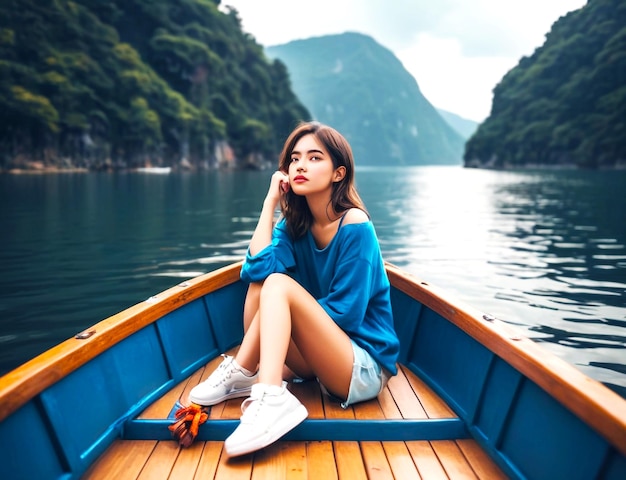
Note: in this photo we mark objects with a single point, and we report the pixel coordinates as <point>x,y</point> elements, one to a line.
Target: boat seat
<point>407,432</point>
<point>406,409</point>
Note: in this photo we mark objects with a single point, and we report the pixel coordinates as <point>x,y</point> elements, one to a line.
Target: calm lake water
<point>543,250</point>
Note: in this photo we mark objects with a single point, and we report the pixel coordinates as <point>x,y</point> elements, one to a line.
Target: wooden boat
<point>156,170</point>
<point>473,399</point>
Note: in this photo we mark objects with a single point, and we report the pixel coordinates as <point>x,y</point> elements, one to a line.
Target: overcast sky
<point>457,50</point>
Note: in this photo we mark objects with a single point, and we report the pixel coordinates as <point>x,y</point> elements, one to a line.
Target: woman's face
<point>311,169</point>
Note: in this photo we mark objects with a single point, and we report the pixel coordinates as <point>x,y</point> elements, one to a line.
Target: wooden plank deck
<point>405,397</point>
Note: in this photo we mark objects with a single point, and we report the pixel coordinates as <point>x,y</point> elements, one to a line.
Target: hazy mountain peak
<point>361,88</point>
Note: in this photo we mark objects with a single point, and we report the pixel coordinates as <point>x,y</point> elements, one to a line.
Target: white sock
<point>245,371</point>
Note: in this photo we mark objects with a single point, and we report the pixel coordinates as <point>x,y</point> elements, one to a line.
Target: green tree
<point>126,80</point>
<point>566,104</point>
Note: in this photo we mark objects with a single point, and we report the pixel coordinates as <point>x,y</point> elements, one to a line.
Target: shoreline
<point>60,171</point>
<point>44,171</point>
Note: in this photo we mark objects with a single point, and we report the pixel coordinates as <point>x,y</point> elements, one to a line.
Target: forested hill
<point>565,104</point>
<point>106,83</point>
<point>361,88</point>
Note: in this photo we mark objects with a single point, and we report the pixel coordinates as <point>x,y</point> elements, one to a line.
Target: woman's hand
<point>279,185</point>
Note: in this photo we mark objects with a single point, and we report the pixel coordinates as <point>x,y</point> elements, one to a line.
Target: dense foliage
<point>361,88</point>
<point>566,104</point>
<point>126,82</point>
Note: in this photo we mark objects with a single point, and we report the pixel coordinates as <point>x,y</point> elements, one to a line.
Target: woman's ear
<point>340,173</point>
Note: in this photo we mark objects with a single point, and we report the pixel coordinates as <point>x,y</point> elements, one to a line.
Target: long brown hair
<point>344,196</point>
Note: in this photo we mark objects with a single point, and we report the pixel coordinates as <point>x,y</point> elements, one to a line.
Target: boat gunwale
<point>24,383</point>
<point>568,385</point>
<point>561,380</point>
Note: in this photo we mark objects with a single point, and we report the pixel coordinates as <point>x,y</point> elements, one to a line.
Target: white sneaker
<point>268,414</point>
<point>227,381</point>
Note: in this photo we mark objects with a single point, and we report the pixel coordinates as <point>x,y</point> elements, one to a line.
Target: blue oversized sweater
<point>347,278</point>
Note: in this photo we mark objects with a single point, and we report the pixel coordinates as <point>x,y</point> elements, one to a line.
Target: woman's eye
<point>315,159</point>
<point>294,159</point>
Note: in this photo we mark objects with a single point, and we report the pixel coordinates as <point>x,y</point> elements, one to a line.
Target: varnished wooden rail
<point>27,381</point>
<point>594,403</point>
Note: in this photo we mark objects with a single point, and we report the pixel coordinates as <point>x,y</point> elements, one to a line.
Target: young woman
<point>318,302</point>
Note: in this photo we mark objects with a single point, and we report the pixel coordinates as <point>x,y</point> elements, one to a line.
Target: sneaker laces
<point>223,372</point>
<point>251,406</point>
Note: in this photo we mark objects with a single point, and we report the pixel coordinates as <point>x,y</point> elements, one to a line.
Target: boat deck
<point>406,397</point>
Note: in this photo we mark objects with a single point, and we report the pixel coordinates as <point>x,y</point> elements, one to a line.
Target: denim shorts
<point>368,378</point>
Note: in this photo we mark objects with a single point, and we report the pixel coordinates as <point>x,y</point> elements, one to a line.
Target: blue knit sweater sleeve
<point>278,257</point>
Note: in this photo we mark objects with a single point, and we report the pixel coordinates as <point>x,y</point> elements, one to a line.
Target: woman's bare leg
<point>288,312</point>
<point>248,353</point>
<point>251,305</point>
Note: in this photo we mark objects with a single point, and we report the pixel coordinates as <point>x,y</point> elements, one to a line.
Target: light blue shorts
<point>368,378</point>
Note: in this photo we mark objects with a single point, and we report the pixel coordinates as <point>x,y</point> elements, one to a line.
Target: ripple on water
<point>539,250</point>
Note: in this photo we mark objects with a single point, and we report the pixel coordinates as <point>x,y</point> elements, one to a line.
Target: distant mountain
<point>462,125</point>
<point>354,84</point>
<point>566,103</point>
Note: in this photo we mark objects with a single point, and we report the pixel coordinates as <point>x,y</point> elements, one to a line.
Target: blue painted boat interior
<point>59,433</point>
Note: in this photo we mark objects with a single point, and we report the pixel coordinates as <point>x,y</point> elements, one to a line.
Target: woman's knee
<point>276,284</point>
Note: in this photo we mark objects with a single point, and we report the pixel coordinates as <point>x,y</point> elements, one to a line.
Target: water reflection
<point>541,250</point>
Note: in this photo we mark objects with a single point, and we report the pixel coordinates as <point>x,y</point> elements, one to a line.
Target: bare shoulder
<point>355,215</point>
